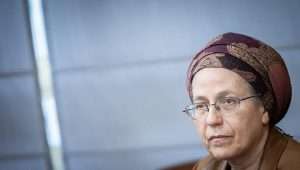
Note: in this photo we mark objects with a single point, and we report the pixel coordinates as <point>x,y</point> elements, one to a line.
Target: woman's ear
<point>265,118</point>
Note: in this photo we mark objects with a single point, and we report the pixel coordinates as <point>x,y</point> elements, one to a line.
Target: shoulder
<point>209,163</point>
<point>293,146</point>
<point>291,155</point>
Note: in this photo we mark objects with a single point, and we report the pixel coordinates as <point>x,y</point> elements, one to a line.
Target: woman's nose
<point>214,116</point>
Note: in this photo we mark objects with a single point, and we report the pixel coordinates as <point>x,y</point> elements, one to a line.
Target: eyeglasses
<point>225,105</point>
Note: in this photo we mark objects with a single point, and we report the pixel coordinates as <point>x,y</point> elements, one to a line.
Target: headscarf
<point>258,63</point>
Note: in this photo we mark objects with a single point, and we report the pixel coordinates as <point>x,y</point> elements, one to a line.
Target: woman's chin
<point>222,153</point>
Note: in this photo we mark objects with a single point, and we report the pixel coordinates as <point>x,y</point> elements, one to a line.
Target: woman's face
<point>237,132</point>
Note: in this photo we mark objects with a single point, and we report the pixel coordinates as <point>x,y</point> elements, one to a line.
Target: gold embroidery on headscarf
<point>211,60</point>
<point>270,55</point>
<point>195,60</point>
<point>264,56</point>
<point>260,59</point>
<point>240,50</point>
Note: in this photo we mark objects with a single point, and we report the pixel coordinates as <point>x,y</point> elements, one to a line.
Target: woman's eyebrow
<point>199,98</point>
<point>225,93</point>
<point>220,94</point>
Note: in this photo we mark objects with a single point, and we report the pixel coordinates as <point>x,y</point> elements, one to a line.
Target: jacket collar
<point>274,148</point>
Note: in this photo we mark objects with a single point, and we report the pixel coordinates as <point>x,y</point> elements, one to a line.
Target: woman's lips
<point>219,140</point>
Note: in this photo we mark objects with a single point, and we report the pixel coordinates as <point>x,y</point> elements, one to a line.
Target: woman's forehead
<point>218,81</point>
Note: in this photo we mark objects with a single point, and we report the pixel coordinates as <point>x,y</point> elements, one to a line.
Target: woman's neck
<point>251,160</point>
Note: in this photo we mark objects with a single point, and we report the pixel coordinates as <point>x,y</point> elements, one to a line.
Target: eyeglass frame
<point>186,110</point>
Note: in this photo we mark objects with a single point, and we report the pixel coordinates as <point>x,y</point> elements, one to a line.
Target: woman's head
<point>259,64</point>
<point>239,87</point>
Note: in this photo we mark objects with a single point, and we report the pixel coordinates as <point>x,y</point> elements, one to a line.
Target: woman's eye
<point>201,106</point>
<point>228,101</point>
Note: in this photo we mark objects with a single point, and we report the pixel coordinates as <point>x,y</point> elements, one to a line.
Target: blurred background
<point>118,74</point>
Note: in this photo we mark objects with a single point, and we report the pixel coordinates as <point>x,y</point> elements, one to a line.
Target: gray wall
<point>119,70</point>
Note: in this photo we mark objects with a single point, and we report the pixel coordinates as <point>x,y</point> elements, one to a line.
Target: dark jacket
<point>281,152</point>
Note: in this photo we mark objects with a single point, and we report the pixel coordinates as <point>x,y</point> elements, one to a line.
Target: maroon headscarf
<point>258,63</point>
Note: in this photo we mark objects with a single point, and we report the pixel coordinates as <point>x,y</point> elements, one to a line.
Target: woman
<point>240,89</point>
